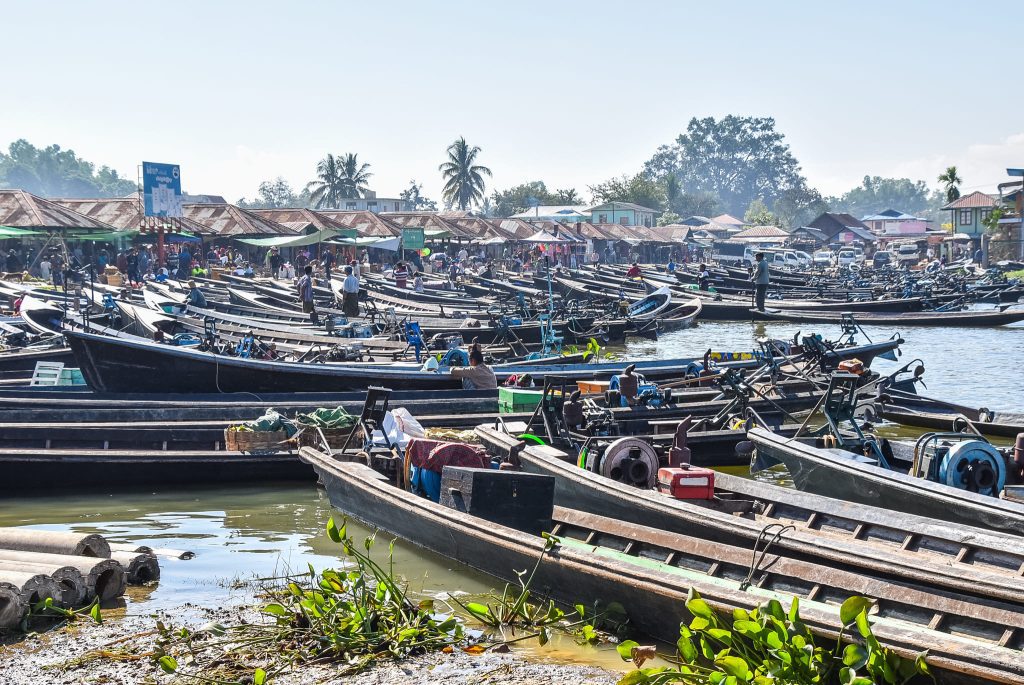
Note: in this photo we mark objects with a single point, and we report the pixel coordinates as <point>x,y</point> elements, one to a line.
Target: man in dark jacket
<point>760,279</point>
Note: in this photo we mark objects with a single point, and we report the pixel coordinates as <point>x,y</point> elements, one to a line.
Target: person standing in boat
<point>305,288</point>
<point>195,296</point>
<point>132,263</point>
<point>476,376</point>
<point>703,277</point>
<point>350,293</point>
<point>401,274</point>
<point>671,267</point>
<point>760,280</point>
<point>328,261</point>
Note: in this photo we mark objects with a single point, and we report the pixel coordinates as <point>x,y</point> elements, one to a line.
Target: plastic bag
<point>400,427</point>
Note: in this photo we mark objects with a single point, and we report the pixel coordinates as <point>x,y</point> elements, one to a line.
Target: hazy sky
<point>568,92</point>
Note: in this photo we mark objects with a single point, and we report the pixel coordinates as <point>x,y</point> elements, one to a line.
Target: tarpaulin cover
<point>327,418</point>
<point>434,455</point>
<point>271,421</point>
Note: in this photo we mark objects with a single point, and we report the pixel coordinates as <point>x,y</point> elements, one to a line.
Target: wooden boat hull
<point>943,319</point>
<point>577,488</point>
<point>31,470</point>
<point>821,472</point>
<point>124,364</point>
<point>652,593</point>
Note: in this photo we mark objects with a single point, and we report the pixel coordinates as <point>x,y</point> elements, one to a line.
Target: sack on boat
<point>331,419</point>
<point>270,422</point>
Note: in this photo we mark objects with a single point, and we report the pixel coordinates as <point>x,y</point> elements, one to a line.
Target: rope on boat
<point>755,560</point>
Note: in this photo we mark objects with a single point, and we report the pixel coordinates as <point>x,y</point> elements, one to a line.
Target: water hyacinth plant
<point>769,645</point>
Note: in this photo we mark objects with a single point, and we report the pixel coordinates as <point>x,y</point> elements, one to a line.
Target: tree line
<point>737,165</point>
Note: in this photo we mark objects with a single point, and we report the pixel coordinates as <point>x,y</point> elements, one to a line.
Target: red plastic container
<point>693,482</point>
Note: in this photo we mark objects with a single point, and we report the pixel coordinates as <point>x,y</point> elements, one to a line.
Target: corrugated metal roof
<point>428,220</point>
<point>229,220</point>
<point>676,233</point>
<point>21,209</point>
<point>545,211</point>
<point>124,213</point>
<point>762,232</point>
<point>620,205</point>
<point>367,224</point>
<point>975,199</point>
<point>299,218</point>
<point>728,220</point>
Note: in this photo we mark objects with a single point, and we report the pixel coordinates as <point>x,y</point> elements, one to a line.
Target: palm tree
<point>463,179</point>
<point>329,186</point>
<point>354,175</point>
<point>951,179</point>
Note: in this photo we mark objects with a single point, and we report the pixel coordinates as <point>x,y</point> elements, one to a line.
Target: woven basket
<point>255,442</point>
<point>310,437</point>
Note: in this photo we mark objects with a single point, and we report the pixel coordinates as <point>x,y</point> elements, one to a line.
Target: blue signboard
<point>161,189</point>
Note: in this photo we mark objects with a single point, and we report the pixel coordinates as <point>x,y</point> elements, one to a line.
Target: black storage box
<point>524,501</point>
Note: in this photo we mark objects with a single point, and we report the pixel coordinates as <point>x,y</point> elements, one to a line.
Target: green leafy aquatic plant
<point>770,645</point>
<point>352,617</point>
<point>518,609</point>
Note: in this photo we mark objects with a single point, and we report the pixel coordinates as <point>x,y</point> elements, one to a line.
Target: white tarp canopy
<point>369,241</point>
<point>292,240</point>
<point>542,237</point>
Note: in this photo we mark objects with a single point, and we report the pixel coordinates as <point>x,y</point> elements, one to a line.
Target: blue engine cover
<point>451,355</point>
<point>974,465</point>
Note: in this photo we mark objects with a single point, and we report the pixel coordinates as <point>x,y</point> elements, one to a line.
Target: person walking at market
<point>132,267</point>
<point>13,264</point>
<point>760,280</point>
<point>328,260</point>
<point>476,376</point>
<point>350,293</point>
<point>184,263</point>
<point>305,289</point>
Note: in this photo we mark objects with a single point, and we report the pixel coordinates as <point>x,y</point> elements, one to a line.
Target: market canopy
<point>542,237</point>
<point>12,232</point>
<point>298,240</point>
<point>370,241</point>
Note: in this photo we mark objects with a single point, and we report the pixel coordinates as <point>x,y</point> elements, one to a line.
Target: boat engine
<point>632,389</point>
<point>631,461</point>
<point>967,462</point>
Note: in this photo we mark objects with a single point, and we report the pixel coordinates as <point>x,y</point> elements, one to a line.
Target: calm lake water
<point>240,533</point>
<point>971,366</point>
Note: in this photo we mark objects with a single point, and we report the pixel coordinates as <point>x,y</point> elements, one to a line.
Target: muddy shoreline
<point>69,655</point>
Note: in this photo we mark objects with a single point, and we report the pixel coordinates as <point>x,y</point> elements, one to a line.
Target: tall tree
<point>354,176</point>
<point>735,158</point>
<point>272,195</point>
<point>327,190</point>
<point>639,189</point>
<point>950,180</point>
<point>54,172</point>
<point>758,214</point>
<point>568,196</point>
<point>700,203</point>
<point>521,197</point>
<point>876,194</point>
<point>463,178</point>
<point>414,196</point>
<point>798,206</point>
<point>673,191</point>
